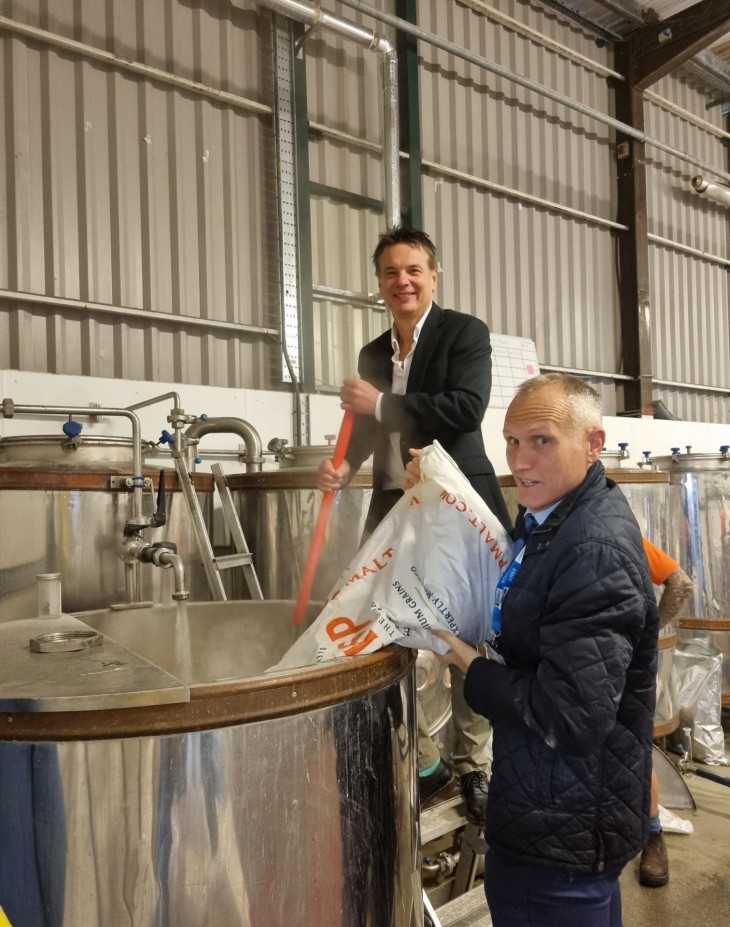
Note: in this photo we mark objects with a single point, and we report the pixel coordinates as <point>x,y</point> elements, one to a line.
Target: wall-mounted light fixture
<point>713,191</point>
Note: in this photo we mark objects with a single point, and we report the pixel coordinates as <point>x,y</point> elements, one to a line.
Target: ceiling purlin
<point>603,33</point>
<point>628,10</point>
<point>653,53</point>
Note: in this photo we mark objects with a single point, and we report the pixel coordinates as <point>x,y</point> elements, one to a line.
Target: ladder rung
<point>233,560</point>
<point>469,910</point>
<point>441,819</point>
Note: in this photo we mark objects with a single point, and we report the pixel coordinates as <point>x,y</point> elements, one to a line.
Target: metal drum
<point>700,516</point>
<point>666,713</point>
<point>278,510</point>
<point>63,507</point>
<point>261,801</point>
<point>648,493</point>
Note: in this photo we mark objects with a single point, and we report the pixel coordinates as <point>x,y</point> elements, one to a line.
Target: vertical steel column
<point>410,117</point>
<point>633,253</point>
<point>283,51</point>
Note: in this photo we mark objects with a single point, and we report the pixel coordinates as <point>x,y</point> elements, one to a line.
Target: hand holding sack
<point>433,562</point>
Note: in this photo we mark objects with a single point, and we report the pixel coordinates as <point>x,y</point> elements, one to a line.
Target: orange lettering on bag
<point>415,500</point>
<point>353,648</point>
<point>342,626</point>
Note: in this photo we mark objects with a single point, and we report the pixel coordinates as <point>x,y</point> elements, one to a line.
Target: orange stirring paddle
<point>315,545</point>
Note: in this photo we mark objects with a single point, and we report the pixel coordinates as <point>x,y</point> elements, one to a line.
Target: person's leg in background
<point>434,774</point>
<point>471,762</point>
<point>654,864</point>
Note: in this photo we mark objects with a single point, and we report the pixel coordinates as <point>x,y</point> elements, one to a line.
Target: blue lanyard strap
<point>507,578</point>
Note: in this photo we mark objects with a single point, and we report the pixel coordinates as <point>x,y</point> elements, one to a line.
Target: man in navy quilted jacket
<point>569,680</point>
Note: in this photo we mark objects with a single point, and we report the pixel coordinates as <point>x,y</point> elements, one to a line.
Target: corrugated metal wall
<point>527,270</point>
<point>130,200</point>
<point>689,292</point>
<point>132,194</point>
<point>344,91</point>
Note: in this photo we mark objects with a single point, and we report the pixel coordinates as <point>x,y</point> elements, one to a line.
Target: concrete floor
<point>698,891</point>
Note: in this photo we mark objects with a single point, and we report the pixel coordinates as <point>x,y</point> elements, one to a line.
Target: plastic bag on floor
<point>433,562</point>
<point>699,673</point>
<point>672,823</point>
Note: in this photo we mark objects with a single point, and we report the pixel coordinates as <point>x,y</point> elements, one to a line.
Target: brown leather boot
<point>654,865</point>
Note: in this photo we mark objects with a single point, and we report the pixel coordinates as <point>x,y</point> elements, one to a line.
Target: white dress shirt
<point>401,368</point>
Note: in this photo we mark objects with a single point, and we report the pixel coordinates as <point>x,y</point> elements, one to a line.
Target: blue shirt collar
<point>542,516</point>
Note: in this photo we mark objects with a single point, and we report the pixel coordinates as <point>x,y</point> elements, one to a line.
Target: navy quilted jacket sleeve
<point>572,708</point>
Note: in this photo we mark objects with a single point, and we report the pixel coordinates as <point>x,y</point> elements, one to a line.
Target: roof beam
<point>657,49</point>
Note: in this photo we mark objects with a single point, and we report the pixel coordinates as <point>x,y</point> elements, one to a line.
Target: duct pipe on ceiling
<point>713,191</point>
<point>312,14</point>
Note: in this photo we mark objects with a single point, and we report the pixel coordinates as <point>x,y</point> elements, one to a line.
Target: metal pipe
<point>313,14</point>
<point>688,249</point>
<point>149,402</point>
<point>523,197</point>
<point>481,62</point>
<point>713,191</point>
<point>167,558</point>
<point>160,318</point>
<point>9,409</point>
<point>228,425</point>
<point>514,25</point>
<point>125,64</point>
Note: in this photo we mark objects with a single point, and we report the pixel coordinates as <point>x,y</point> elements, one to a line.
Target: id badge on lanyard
<point>505,581</point>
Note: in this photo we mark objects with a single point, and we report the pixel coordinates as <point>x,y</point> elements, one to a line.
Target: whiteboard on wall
<point>513,360</point>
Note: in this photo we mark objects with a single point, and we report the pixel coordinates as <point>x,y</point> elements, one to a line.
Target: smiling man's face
<point>547,452</point>
<point>406,281</point>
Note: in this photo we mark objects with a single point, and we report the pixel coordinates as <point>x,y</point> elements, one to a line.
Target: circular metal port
<point>66,641</point>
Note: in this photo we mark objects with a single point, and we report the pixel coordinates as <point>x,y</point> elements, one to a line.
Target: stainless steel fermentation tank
<point>260,801</point>
<point>700,542</point>
<point>278,510</point>
<point>63,507</point>
<point>648,494</point>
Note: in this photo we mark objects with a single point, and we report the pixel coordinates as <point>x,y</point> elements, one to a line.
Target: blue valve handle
<point>72,429</point>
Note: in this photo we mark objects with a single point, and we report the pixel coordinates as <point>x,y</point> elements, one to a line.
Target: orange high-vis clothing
<point>661,565</point>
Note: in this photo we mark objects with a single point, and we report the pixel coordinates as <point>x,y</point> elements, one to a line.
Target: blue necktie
<point>529,523</point>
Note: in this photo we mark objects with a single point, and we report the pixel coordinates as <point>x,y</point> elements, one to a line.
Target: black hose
<point>722,780</point>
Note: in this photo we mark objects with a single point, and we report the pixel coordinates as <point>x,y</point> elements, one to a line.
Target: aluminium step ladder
<point>467,905</point>
<point>214,565</point>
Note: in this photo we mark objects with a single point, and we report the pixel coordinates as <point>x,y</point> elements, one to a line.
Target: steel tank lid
<point>94,479</point>
<point>619,475</point>
<point>301,456</point>
<point>689,461</point>
<point>215,655</point>
<point>83,452</point>
<point>293,478</point>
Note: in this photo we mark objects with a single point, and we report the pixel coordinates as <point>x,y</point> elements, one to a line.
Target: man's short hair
<point>584,400</point>
<point>401,235</point>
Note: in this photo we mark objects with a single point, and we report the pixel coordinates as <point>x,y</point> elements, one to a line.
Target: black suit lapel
<point>427,342</point>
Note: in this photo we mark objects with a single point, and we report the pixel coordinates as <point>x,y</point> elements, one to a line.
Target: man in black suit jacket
<point>426,379</point>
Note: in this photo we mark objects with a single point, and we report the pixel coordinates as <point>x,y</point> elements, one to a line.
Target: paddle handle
<point>315,545</point>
